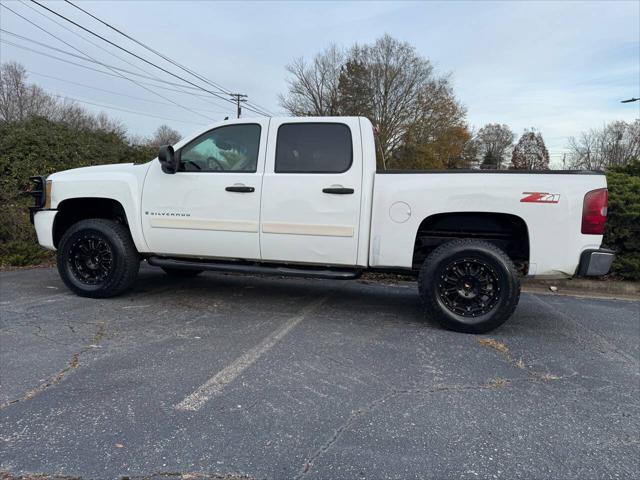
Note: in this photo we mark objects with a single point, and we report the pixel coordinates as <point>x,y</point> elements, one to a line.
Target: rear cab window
<point>313,148</point>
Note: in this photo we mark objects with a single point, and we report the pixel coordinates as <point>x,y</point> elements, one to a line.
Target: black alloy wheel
<point>469,286</point>
<point>91,259</point>
<point>97,258</point>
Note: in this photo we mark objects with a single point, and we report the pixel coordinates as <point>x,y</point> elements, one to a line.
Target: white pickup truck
<point>302,196</point>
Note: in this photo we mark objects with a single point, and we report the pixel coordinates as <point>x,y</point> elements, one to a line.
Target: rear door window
<point>313,148</point>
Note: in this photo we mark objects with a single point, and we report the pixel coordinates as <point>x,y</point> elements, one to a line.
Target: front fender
<point>122,183</point>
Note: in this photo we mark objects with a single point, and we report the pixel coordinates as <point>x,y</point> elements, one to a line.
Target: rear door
<point>311,191</point>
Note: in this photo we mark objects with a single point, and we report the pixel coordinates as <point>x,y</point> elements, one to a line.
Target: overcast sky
<point>560,67</point>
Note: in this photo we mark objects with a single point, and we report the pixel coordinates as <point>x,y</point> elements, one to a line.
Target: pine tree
<point>530,153</point>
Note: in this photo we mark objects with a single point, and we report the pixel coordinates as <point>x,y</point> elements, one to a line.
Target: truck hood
<point>97,171</point>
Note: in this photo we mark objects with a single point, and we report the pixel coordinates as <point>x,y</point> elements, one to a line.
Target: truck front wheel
<point>97,258</point>
<point>469,286</point>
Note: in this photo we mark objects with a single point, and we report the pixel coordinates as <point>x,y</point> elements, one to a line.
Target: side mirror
<point>168,160</point>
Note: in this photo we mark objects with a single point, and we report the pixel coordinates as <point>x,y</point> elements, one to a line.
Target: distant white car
<point>302,196</point>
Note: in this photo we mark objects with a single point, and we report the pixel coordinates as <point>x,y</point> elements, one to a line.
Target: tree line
<point>420,124</point>
<point>21,101</point>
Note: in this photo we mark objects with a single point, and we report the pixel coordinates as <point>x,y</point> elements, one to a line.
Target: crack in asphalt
<point>306,468</point>
<point>371,406</point>
<point>520,364</point>
<point>72,364</point>
<point>590,339</point>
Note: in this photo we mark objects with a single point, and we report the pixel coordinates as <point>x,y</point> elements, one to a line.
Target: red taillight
<point>594,211</point>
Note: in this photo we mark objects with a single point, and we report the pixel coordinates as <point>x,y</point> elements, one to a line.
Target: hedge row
<point>40,147</point>
<point>623,222</point>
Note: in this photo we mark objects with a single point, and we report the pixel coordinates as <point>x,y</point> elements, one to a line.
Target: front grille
<point>38,191</point>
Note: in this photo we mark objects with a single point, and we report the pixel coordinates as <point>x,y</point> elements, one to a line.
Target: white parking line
<point>216,384</point>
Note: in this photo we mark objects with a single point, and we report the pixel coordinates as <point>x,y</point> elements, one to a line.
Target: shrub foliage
<point>623,222</point>
<point>38,146</point>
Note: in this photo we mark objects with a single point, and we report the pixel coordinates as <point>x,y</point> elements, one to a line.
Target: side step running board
<point>256,268</point>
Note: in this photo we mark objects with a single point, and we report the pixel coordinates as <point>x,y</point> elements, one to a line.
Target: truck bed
<point>549,202</point>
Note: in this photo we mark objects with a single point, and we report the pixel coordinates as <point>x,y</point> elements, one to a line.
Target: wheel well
<point>75,209</point>
<point>506,231</point>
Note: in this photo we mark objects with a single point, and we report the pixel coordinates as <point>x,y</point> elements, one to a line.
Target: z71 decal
<point>540,197</point>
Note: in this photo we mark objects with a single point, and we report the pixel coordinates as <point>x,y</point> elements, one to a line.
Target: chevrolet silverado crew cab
<point>302,196</point>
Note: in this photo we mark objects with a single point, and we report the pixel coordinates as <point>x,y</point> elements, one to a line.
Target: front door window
<point>232,148</point>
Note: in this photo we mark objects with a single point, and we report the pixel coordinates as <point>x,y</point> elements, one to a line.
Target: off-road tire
<point>181,272</point>
<point>456,255</point>
<point>123,267</point>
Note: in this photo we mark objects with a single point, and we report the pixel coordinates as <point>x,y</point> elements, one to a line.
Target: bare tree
<point>530,153</point>
<point>494,143</point>
<point>164,135</point>
<point>313,88</point>
<point>107,124</point>
<point>402,85</point>
<point>19,101</point>
<point>392,85</point>
<point>613,145</point>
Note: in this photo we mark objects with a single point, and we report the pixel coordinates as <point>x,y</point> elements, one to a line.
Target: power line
<point>97,62</point>
<point>182,67</point>
<point>87,60</point>
<point>115,93</point>
<point>77,34</point>
<point>88,56</point>
<point>128,51</point>
<point>7,42</point>
<point>111,107</point>
<point>173,62</point>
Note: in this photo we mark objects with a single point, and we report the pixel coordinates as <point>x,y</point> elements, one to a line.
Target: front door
<point>211,206</point>
<point>311,192</point>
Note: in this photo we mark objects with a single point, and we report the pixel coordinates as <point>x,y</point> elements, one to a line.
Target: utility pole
<point>239,98</point>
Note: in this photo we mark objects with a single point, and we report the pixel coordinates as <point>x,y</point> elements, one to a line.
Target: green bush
<point>623,222</point>
<point>40,147</point>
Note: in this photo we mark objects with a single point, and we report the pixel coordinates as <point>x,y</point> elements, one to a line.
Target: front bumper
<point>595,262</point>
<point>43,221</point>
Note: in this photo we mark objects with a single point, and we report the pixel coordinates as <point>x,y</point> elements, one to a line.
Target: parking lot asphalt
<point>228,376</point>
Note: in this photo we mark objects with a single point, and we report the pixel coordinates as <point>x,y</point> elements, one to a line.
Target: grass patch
<point>23,254</point>
<point>493,343</point>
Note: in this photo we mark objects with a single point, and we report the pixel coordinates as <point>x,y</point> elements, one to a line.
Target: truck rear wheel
<point>469,286</point>
<point>97,258</point>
